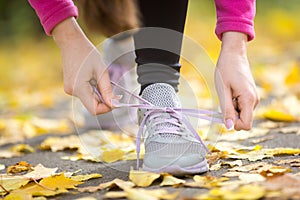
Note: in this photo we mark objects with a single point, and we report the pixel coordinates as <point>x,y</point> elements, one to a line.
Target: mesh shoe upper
<point>167,140</point>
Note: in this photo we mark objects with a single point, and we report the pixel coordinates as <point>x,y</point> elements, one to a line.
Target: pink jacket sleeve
<point>52,12</point>
<point>235,15</point>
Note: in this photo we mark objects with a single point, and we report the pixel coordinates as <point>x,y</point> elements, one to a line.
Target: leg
<point>160,64</point>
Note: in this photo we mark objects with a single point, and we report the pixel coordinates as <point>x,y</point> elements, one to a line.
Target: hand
<point>234,82</point>
<point>82,64</point>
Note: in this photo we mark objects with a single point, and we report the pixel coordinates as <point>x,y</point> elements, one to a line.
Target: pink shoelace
<point>178,116</point>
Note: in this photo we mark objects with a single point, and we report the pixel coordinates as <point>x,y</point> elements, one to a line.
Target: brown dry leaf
<point>169,180</point>
<point>59,143</point>
<point>249,167</point>
<point>215,156</point>
<point>116,182</point>
<point>289,129</point>
<point>22,148</point>
<point>112,155</point>
<point>288,184</point>
<point>287,161</point>
<point>21,166</point>
<point>226,163</point>
<point>49,186</point>
<point>143,178</point>
<point>85,177</point>
<point>243,192</point>
<point>271,171</point>
<point>39,172</point>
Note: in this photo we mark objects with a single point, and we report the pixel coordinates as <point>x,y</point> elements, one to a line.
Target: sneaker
<point>169,145</point>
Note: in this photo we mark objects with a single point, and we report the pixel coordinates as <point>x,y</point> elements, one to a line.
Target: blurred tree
<point>18,19</point>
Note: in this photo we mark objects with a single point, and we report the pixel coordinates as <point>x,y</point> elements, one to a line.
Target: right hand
<point>82,63</point>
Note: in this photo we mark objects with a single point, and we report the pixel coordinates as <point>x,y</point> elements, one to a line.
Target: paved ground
<point>121,169</point>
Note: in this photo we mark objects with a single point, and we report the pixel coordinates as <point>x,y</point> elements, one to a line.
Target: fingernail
<point>229,124</point>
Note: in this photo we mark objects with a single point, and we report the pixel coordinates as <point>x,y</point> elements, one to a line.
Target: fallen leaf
<point>232,163</point>
<point>282,151</point>
<point>263,139</point>
<point>12,182</point>
<point>21,166</point>
<point>244,192</point>
<point>277,115</point>
<point>249,167</point>
<point>86,198</point>
<point>251,178</point>
<point>115,195</point>
<point>215,167</point>
<point>22,148</point>
<point>271,171</point>
<point>205,181</point>
<point>169,180</point>
<point>39,172</point>
<point>289,129</point>
<point>143,178</point>
<point>112,155</point>
<point>137,194</point>
<point>9,154</point>
<point>230,174</point>
<point>18,196</point>
<point>85,177</point>
<point>288,184</point>
<point>49,186</point>
<point>59,143</point>
<point>116,182</point>
<point>215,156</point>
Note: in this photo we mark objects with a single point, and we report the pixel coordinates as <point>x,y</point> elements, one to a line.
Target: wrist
<point>67,32</point>
<point>235,42</point>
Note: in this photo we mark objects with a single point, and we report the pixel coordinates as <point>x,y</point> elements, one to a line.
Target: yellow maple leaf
<point>112,155</point>
<point>277,115</point>
<point>85,177</point>
<point>293,76</point>
<point>49,186</point>
<point>23,148</point>
<point>143,178</point>
<point>12,182</point>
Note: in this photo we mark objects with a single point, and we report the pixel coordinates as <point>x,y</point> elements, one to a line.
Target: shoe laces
<point>175,119</point>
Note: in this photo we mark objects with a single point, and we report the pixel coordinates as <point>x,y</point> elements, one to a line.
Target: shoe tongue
<point>161,95</point>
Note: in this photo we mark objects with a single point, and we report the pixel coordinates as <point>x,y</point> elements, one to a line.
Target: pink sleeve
<point>235,15</point>
<point>52,12</point>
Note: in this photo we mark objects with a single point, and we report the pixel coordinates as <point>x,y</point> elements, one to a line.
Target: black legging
<point>158,64</point>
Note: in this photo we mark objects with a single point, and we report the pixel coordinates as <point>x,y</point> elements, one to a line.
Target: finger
<point>246,116</point>
<point>105,89</point>
<point>91,101</point>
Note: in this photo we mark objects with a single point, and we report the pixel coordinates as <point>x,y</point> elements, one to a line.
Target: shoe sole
<point>177,170</point>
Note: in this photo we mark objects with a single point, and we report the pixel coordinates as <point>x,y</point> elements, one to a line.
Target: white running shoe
<point>169,145</point>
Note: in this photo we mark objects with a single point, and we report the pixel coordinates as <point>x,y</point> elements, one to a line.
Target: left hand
<point>234,82</point>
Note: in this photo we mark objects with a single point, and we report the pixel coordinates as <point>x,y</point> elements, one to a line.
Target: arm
<point>233,75</point>
<point>81,60</point>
